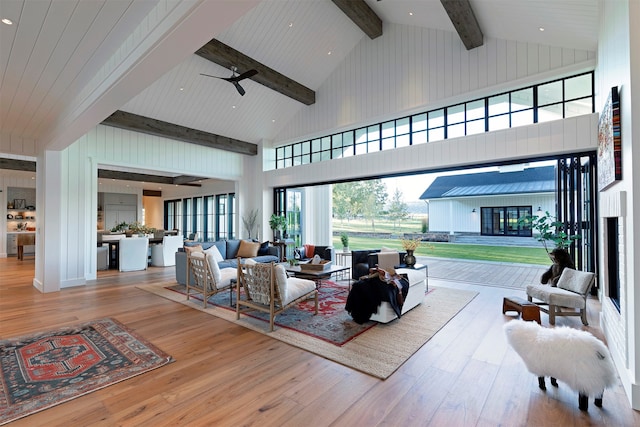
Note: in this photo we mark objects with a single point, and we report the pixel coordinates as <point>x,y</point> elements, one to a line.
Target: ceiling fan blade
<point>243,76</point>
<point>215,77</point>
<point>240,89</point>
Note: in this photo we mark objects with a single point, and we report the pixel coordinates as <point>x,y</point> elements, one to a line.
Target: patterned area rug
<point>378,351</point>
<point>42,370</point>
<point>332,324</point>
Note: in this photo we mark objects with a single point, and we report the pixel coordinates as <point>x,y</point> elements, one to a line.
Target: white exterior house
<point>489,203</point>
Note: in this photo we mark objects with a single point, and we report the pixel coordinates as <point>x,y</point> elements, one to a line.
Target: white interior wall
<point>619,65</point>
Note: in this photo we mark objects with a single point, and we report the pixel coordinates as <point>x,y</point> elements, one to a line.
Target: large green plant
<point>277,222</point>
<point>548,229</point>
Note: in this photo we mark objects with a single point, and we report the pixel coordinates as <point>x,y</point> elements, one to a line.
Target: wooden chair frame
<point>262,292</point>
<point>205,283</point>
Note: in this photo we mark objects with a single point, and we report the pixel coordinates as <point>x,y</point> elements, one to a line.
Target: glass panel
<point>297,149</point>
<point>388,144</point>
<point>336,153</point>
<point>551,112</point>
<point>417,138</point>
<point>288,150</point>
<point>419,122</point>
<point>512,220</point>
<point>498,122</point>
<point>522,118</point>
<point>577,87</point>
<point>361,135</point>
<point>373,146</point>
<point>476,126</point>
<point>315,157</point>
<point>347,139</point>
<point>347,151</point>
<point>455,114</point>
<point>403,140</point>
<point>455,131</point>
<point>306,147</point>
<point>436,134</point>
<point>475,109</point>
<point>373,133</point>
<point>297,161</point>
<point>361,149</point>
<point>498,221</point>
<point>306,158</point>
<point>336,140</point>
<point>326,143</point>
<point>325,155</point>
<point>402,126</point>
<point>550,93</point>
<point>436,119</point>
<point>522,99</point>
<point>280,164</point>
<point>499,104</point>
<point>315,145</point>
<point>388,129</point>
<point>578,107</point>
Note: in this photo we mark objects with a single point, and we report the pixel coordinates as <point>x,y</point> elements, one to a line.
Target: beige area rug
<point>379,351</point>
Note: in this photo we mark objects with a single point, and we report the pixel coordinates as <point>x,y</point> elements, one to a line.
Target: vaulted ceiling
<point>66,66</point>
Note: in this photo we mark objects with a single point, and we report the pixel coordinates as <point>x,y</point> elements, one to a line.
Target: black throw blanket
<point>367,294</point>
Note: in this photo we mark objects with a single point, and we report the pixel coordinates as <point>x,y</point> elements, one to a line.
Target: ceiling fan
<point>235,78</point>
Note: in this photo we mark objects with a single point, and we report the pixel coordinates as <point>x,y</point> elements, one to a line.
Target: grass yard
<point>515,254</point>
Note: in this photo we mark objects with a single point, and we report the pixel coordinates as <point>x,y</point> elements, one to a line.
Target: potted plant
<point>278,224</point>
<point>548,228</point>
<point>344,238</point>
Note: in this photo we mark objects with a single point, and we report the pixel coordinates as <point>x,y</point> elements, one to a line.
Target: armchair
<point>133,253</point>
<point>570,292</point>
<point>209,279</point>
<point>164,254</point>
<point>267,288</point>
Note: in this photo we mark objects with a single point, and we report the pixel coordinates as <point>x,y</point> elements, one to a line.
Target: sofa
<point>229,251</point>
<point>363,260</point>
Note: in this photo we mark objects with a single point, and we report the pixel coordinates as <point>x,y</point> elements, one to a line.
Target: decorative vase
<point>409,259</point>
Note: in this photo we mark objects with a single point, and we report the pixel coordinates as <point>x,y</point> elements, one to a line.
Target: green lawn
<point>515,254</point>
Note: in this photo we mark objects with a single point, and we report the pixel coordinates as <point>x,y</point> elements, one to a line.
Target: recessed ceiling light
<point>290,24</point>
<point>233,106</point>
<point>273,120</point>
<point>410,13</point>
<point>181,88</point>
<point>329,53</point>
<point>7,21</point>
<point>541,28</point>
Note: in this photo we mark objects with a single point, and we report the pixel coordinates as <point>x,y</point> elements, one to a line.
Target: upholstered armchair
<point>133,253</point>
<point>363,260</point>
<point>209,279</point>
<point>164,254</point>
<point>570,293</point>
<point>267,288</point>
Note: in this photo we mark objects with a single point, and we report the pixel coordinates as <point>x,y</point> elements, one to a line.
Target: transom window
<point>558,99</point>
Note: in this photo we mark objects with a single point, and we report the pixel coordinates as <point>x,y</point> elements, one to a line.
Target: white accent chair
<point>570,292</point>
<point>164,254</point>
<point>208,276</point>
<point>267,288</point>
<point>133,254</point>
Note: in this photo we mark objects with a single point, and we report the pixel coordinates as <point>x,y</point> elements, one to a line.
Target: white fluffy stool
<point>572,356</point>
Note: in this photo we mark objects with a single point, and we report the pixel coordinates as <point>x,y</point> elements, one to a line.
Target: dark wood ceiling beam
<point>18,165</point>
<point>464,21</point>
<point>156,179</point>
<point>136,123</point>
<point>362,15</point>
<point>226,56</point>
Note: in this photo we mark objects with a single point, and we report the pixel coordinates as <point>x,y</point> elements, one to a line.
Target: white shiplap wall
<point>412,67</point>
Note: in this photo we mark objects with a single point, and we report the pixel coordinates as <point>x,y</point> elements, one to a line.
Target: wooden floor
<point>225,375</point>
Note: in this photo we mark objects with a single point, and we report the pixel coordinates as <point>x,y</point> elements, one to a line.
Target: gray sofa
<point>229,250</point>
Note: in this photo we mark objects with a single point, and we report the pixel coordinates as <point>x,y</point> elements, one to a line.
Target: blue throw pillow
<point>263,249</point>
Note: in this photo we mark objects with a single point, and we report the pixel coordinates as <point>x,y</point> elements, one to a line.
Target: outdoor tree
<point>342,200</point>
<point>359,199</point>
<point>398,209</point>
<point>373,195</point>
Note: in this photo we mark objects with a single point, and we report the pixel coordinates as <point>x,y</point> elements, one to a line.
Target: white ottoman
<point>417,289</point>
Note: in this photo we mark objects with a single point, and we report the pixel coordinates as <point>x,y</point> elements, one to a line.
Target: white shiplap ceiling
<point>50,56</point>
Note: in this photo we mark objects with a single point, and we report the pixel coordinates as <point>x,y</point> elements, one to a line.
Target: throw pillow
<point>281,281</point>
<point>213,250</point>
<point>215,269</point>
<point>309,250</point>
<point>248,249</point>
<point>264,249</point>
<point>192,249</point>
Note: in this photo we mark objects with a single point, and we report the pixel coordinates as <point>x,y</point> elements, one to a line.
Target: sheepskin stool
<point>572,356</point>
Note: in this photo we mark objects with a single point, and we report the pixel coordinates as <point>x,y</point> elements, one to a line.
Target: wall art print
<point>609,142</point>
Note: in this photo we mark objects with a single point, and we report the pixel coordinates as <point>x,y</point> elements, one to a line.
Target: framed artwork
<point>19,203</point>
<point>609,142</point>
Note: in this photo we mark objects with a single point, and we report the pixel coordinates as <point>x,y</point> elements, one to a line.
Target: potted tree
<point>344,238</point>
<point>549,229</point>
<point>278,224</point>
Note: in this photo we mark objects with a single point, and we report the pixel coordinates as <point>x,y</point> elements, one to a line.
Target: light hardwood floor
<point>225,375</point>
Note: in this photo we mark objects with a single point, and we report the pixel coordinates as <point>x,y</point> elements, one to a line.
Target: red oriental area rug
<point>42,370</point>
<point>332,324</point>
